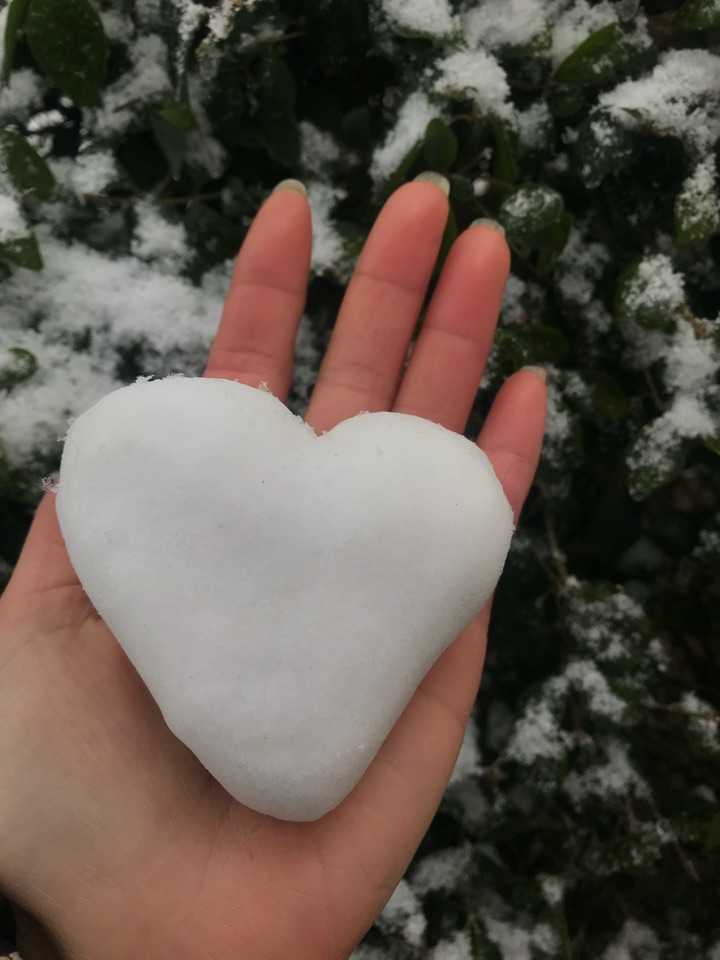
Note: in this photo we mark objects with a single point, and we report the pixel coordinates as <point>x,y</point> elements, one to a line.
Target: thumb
<point>44,564</point>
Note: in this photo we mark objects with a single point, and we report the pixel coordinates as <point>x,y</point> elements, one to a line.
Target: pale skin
<point>114,841</point>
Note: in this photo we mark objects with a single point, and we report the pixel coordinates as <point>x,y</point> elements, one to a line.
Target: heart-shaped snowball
<point>281,594</point>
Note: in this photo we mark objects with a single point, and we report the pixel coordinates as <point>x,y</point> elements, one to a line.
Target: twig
<point>653,392</point>
<point>555,551</point>
<point>121,201</point>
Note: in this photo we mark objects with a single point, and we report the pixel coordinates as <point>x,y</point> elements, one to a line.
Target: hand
<point>112,835</point>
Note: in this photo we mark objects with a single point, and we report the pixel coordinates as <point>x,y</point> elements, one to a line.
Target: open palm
<point>112,835</point>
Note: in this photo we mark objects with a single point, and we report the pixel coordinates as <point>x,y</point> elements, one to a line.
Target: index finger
<point>256,338</point>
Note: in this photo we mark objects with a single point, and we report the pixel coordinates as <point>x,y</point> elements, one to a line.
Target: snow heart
<point>281,594</point>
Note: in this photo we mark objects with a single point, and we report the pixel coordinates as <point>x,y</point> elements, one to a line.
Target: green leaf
<point>550,243</point>
<point>278,124</point>
<point>712,836</point>
<point>602,149</point>
<point>697,207</point>
<point>595,60</point>
<point>565,100</point>
<point>464,201</point>
<point>528,213</point>
<point>698,15</point>
<point>172,140</point>
<point>23,252</point>
<point>17,14</point>
<point>404,167</point>
<point>216,237</point>
<point>449,237</point>
<point>28,171</point>
<point>640,297</point>
<point>171,124</point>
<point>177,115</point>
<point>539,343</point>
<point>440,148</point>
<point>504,164</point>
<point>608,398</point>
<point>21,367</point>
<point>713,444</point>
<point>68,43</point>
<point>357,128</point>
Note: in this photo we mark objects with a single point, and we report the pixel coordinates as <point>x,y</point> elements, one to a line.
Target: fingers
<point>378,315</point>
<point>447,364</point>
<point>44,567</point>
<point>256,338</point>
<point>380,825</point>
<point>513,431</point>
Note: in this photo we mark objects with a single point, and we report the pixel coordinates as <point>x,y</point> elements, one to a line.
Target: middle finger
<point>367,349</point>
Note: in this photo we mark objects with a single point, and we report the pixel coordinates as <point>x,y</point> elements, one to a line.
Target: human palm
<point>113,838</point>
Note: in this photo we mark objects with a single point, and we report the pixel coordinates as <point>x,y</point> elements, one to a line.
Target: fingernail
<point>538,371</point>
<point>438,179</point>
<point>493,224</point>
<point>292,185</point>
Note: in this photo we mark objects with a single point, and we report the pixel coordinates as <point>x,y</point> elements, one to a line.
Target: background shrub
<point>138,140</point>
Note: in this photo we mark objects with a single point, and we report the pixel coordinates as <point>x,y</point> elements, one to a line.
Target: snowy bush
<point>137,141</point>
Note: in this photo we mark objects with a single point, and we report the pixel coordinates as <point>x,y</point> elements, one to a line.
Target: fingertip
<point>512,435</point>
<point>294,186</point>
<point>487,240</point>
<point>537,371</point>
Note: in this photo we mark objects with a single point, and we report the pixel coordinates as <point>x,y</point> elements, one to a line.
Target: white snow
<point>558,422</point>
<point>412,120</point>
<point>35,412</point>
<point>3,24</point>
<point>505,23</point>
<point>441,870</point>
<point>254,702</point>
<point>81,289</point>
<point>699,202</point>
<point>635,941</point>
<point>364,952</point>
<point>118,27</point>
<point>576,24</point>
<point>89,172</point>
<point>476,75</point>
<point>680,97</point>
<point>458,947</point>
<point>513,310</point>
<point>45,120</point>
<point>614,778</point>
<point>432,17</point>
<point>159,241</point>
<point>690,362</point>
<point>468,760</point>
<point>13,225</point>
<point>22,92</point>
<point>221,18</point>
<point>328,253</point>
<point>603,627</point>
<point>191,15</point>
<point>584,675</point>
<point>318,149</point>
<point>553,888</point>
<point>703,719</point>
<point>534,126</point>
<point>404,910</point>
<point>580,266</point>
<point>537,733</point>
<point>516,943</point>
<point>687,418</point>
<point>146,81</point>
<point>655,286</point>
